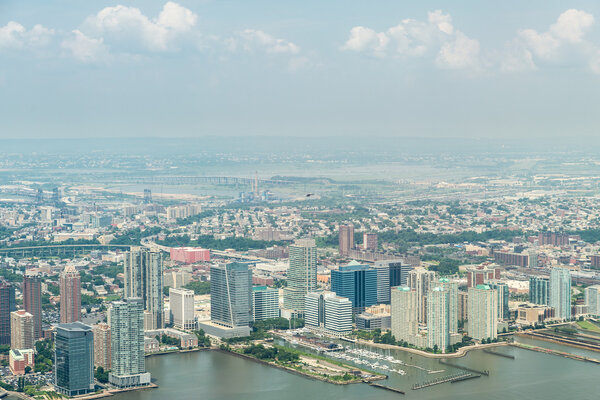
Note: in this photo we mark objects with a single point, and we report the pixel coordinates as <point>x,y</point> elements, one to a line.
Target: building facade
<point>231,294</point>
<point>560,292</point>
<point>329,312</point>
<point>7,305</point>
<point>301,274</point>
<point>102,346</point>
<point>22,330</point>
<point>73,359</point>
<point>346,239</point>
<point>483,312</point>
<point>438,318</point>
<point>421,280</point>
<point>539,290</point>
<point>32,301</point>
<point>592,299</point>
<point>70,295</point>
<point>452,288</point>
<point>405,314</point>
<point>503,296</point>
<point>181,303</point>
<point>356,282</point>
<point>143,279</point>
<point>265,303</point>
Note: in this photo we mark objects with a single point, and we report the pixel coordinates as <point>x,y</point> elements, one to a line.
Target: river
<point>214,375</point>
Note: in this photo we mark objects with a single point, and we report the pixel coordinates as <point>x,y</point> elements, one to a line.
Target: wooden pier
<point>445,379</point>
<point>391,389</point>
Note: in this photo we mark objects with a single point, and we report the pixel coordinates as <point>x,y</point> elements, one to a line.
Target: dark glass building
<point>7,305</point>
<point>356,282</point>
<point>74,359</point>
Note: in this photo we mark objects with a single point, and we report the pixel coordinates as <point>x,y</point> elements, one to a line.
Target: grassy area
<point>588,326</point>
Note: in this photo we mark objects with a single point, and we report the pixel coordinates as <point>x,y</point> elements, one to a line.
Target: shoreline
<point>459,353</point>
<point>564,341</point>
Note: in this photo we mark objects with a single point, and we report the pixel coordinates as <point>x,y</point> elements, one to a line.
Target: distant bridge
<point>215,180</point>
<point>58,250</point>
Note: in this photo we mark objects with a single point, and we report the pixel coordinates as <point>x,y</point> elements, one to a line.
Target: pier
<point>486,372</point>
<point>391,389</point>
<point>499,354</point>
<point>555,352</point>
<point>444,379</point>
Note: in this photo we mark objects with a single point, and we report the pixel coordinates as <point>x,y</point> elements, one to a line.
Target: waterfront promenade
<point>459,353</point>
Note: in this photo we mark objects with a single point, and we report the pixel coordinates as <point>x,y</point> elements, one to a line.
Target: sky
<point>427,69</point>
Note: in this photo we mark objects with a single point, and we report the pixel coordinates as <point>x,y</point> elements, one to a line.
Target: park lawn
<point>587,325</point>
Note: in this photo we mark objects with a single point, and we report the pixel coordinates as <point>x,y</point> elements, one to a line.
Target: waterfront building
<point>7,305</point>
<point>463,306</point>
<point>405,314</point>
<point>503,295</point>
<point>73,359</point>
<point>18,360</point>
<point>356,282</point>
<point>592,299</point>
<point>539,290</point>
<point>143,279</point>
<point>452,288</point>
<point>560,292</point>
<point>32,301</point>
<point>483,312</point>
<point>346,239</point>
<point>438,318</point>
<point>265,303</point>
<point>181,303</point>
<point>70,295</point>
<point>328,312</point>
<point>127,344</point>
<point>22,332</point>
<point>301,274</point>
<point>421,280</point>
<point>367,321</point>
<point>102,346</point>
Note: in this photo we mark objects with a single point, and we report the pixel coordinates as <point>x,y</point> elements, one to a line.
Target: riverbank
<point>559,340</point>
<point>366,376</point>
<point>112,392</point>
<point>459,353</point>
<point>554,352</point>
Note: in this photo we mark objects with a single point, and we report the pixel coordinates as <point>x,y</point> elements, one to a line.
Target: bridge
<point>215,180</point>
<point>59,250</point>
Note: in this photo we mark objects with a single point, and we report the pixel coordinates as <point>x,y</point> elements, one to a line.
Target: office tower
<point>383,282</point>
<point>503,294</point>
<point>438,318</point>
<point>452,288</point>
<point>398,272</point>
<point>143,279</point>
<point>181,303</point>
<point>405,319</point>
<point>230,294</point>
<point>70,295</point>
<point>356,282</point>
<point>539,290</point>
<point>560,292</point>
<point>483,312</point>
<point>32,301</point>
<point>329,312</point>
<point>7,305</point>
<point>421,281</point>
<point>127,343</point>
<point>21,326</point>
<point>73,359</point>
<point>369,241</point>
<point>102,346</point>
<point>592,299</point>
<point>301,274</point>
<point>265,303</point>
<point>463,306</point>
<point>533,259</point>
<point>346,239</point>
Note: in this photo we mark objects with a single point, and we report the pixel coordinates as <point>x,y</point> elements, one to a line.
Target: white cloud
<point>460,53</point>
<point>362,39</point>
<point>516,58</point>
<point>128,27</point>
<point>16,36</point>
<point>84,48</point>
<point>253,39</point>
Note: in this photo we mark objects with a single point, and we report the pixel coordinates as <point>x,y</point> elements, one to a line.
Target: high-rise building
<point>539,290</point>
<point>265,303</point>
<point>73,359</point>
<point>7,305</point>
<point>32,301</point>
<point>421,280</point>
<point>102,346</point>
<point>452,288</point>
<point>560,292</point>
<point>483,312</point>
<point>438,318</point>
<point>533,259</point>
<point>463,306</point>
<point>592,299</point>
<point>231,294</point>
<point>356,282</point>
<point>301,274</point>
<point>405,319</point>
<point>479,275</point>
<point>398,272</point>
<point>181,303</point>
<point>127,344</point>
<point>21,326</point>
<point>503,294</point>
<point>369,241</point>
<point>329,312</point>
<point>383,282</point>
<point>70,295</point>
<point>346,239</point>
<point>143,279</point>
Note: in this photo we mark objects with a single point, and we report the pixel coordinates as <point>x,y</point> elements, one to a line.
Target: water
<point>213,375</point>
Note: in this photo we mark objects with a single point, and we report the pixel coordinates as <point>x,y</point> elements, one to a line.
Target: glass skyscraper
<point>231,294</point>
<point>74,359</point>
<point>301,274</point>
<point>560,292</point>
<point>539,290</point>
<point>356,282</point>
<point>7,305</point>
<point>143,279</point>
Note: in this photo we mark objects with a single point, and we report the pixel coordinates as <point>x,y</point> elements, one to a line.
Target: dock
<point>488,351</point>
<point>444,379</point>
<point>486,372</point>
<point>555,352</point>
<point>391,389</point>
